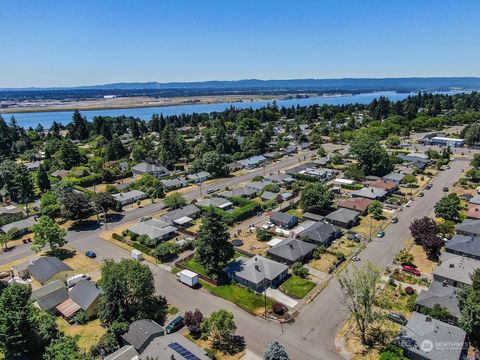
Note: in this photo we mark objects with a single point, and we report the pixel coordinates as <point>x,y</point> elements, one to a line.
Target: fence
<point>179,264</point>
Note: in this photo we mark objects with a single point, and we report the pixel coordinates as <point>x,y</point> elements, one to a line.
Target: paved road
<point>312,335</point>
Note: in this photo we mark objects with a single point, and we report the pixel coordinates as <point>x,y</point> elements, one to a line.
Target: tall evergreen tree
<point>43,182</point>
<point>275,351</point>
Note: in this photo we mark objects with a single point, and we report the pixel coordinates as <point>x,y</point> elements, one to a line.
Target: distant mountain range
<point>346,84</point>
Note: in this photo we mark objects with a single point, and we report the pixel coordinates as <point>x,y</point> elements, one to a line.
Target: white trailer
<point>137,254</point>
<point>187,277</point>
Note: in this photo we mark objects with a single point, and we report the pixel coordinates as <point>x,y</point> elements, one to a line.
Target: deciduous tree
<point>425,232</point>
<point>47,231</point>
<point>449,207</point>
<point>316,196</point>
<point>175,201</point>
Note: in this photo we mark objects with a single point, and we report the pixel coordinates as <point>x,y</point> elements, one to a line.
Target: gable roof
<point>174,346</point>
<point>268,195</point>
<point>320,232</point>
<point>456,267</point>
<point>186,211</point>
<point>469,226</point>
<point>174,182</point>
<point>20,224</point>
<point>198,176</point>
<point>126,352</point>
<point>394,176</point>
<point>151,229</point>
<point>383,184</point>
<point>360,203</point>
<point>468,245</point>
<point>84,293</point>
<point>282,217</point>
<point>149,168</point>
<point>370,193</point>
<point>421,328</point>
<point>241,192</point>
<point>141,332</point>
<point>50,295</point>
<point>475,200</point>
<point>45,267</point>
<point>215,201</point>
<point>442,294</point>
<point>291,249</point>
<point>255,269</point>
<point>343,215</point>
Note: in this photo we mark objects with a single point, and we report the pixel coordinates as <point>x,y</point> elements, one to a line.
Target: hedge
<point>305,177</point>
<point>352,186</point>
<point>87,180</point>
<point>246,211</point>
<point>118,237</point>
<point>142,248</point>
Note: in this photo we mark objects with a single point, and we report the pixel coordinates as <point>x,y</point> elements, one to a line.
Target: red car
<point>411,270</point>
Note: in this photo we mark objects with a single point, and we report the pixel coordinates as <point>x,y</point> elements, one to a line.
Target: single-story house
<point>283,220</point>
<point>394,177</point>
<point>473,211</point>
<point>176,183</point>
<point>183,216</point>
<point>23,226</point>
<point>286,196</point>
<point>257,273</point>
<point>33,166</point>
<point>425,338</point>
<point>199,177</point>
<point>475,200</point>
<point>388,186</point>
<point>141,333</point>
<point>48,268</point>
<point>414,161</point>
<point>10,210</point>
<point>129,197</point>
<point>312,216</point>
<point>257,186</point>
<point>155,229</point>
<point>342,217</point>
<point>218,202</point>
<point>290,149</point>
<point>173,346</point>
<point>465,245</point>
<point>152,169</point>
<point>268,195</point>
<point>290,250</point>
<point>49,296</point>
<point>320,233</point>
<point>253,161</point>
<point>372,193</point>
<point>234,166</point>
<point>359,204</point>
<point>85,295</point>
<point>60,174</point>
<point>281,179</point>
<point>239,192</point>
<point>126,352</point>
<point>468,227</point>
<point>455,270</point>
<point>441,294</point>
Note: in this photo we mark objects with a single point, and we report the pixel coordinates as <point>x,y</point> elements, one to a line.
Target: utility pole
<point>371,225</point>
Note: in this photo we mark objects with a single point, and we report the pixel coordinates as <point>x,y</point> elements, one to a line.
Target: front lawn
<point>195,266</point>
<point>249,301</point>
<point>297,287</point>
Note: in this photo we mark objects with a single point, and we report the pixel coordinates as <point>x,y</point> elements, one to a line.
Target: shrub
<point>300,270</point>
<point>142,248</point>
<point>165,251</point>
<point>118,237</point>
<point>80,318</point>
<point>263,235</point>
<point>278,308</point>
<point>409,290</point>
<point>340,256</point>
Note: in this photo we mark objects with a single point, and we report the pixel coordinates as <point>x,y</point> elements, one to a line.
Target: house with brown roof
<point>388,186</point>
<point>358,204</point>
<point>473,211</point>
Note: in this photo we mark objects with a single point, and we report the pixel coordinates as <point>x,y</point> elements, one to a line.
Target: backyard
<point>89,334</point>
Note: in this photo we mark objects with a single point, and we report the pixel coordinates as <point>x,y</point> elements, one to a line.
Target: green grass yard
<point>297,287</point>
<point>195,266</point>
<point>249,301</point>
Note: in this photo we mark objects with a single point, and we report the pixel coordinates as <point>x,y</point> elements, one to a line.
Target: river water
<point>46,119</point>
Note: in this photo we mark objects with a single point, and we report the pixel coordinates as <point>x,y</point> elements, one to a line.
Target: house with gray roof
<point>283,220</point>
<point>291,250</point>
<point>48,268</point>
<point>455,269</point>
<point>253,162</point>
<point>141,333</point>
<point>155,229</point>
<point>129,197</point>
<point>257,273</point>
<point>173,346</point>
<point>49,296</point>
<point>10,210</point>
<point>176,183</point>
<point>23,226</point>
<point>475,200</point>
<point>268,195</point>
<point>257,186</point>
<point>152,169</point>
<point>281,178</point>
<point>394,177</point>
<point>343,217</point>
<point>370,192</point>
<point>468,227</point>
<point>239,192</point>
<point>86,294</point>
<point>441,294</point>
<point>126,352</point>
<point>183,216</point>
<point>431,339</point>
<point>465,245</point>
<point>320,233</point>
<point>218,202</point>
<point>199,177</point>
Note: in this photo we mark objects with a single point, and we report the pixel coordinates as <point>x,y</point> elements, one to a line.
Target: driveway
<point>281,298</point>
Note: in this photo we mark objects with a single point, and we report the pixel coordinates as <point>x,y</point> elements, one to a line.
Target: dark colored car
<point>421,194</point>
<point>174,325</point>
<point>429,186</point>
<point>394,220</point>
<point>398,318</point>
<point>445,189</point>
<point>91,254</point>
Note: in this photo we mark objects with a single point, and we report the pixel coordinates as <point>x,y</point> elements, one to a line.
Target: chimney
<point>445,283</point>
<point>428,319</point>
<point>451,266</point>
<point>257,268</point>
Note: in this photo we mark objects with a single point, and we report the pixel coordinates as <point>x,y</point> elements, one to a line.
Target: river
<point>32,119</point>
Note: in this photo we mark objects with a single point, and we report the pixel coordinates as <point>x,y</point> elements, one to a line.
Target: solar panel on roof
<point>182,351</point>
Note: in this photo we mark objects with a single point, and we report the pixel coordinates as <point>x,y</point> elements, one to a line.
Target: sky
<point>70,43</point>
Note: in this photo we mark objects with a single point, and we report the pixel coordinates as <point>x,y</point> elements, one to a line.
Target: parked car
<point>411,270</point>
<point>174,325</point>
<point>91,254</point>
<point>212,190</point>
<point>394,220</point>
<point>445,189</point>
<point>421,194</point>
<point>355,258</point>
<point>397,318</point>
<point>354,237</point>
<point>429,186</point>
<point>73,280</point>
<point>381,234</point>
<point>448,167</point>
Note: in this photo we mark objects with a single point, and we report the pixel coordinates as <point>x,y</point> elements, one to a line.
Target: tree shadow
<point>62,254</point>
<point>84,225</point>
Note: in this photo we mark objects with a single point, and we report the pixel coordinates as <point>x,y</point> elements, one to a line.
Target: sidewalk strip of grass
<point>297,287</point>
<point>249,301</point>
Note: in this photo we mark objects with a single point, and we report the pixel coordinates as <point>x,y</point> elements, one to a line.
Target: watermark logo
<point>426,346</point>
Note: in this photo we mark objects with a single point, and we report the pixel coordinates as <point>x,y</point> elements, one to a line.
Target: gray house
<point>441,294</point>
<point>48,268</point>
<point>426,338</point>
<point>257,273</point>
<point>49,296</point>
<point>176,183</point>
<point>152,169</point>
<point>183,216</point>
<point>239,192</point>
<point>468,227</point>
<point>141,333</point>
<point>372,193</point>
<point>129,197</point>
<point>455,270</point>
<point>320,233</point>
<point>155,229</point>
<point>23,226</point>
<point>290,250</point>
<point>86,294</point>
<point>199,177</point>
<point>394,177</point>
<point>283,220</point>
<point>342,217</point>
<point>465,245</point>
